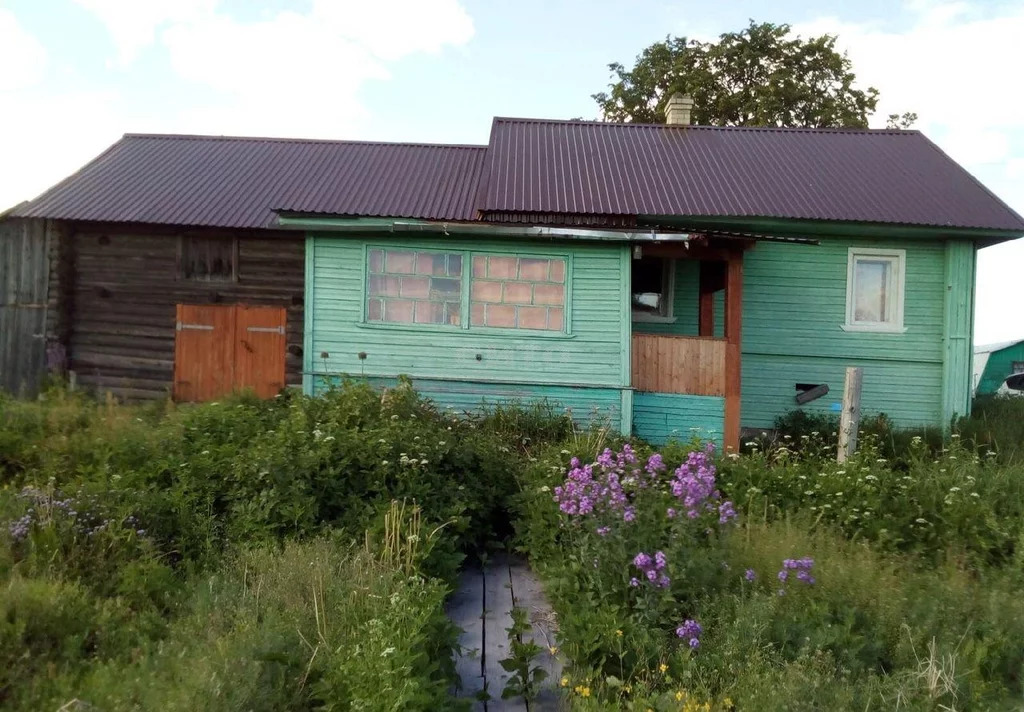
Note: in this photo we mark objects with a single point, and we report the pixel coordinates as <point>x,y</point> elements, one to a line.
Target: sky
<point>77,74</point>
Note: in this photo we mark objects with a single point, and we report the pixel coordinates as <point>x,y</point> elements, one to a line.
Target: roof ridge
<point>285,139</point>
<point>704,127</point>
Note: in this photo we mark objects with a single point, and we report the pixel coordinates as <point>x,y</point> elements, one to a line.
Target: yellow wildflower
<point>553,650</point>
<point>679,697</point>
<point>585,692</point>
<point>619,633</point>
<point>663,667</point>
<point>727,702</point>
<point>565,682</point>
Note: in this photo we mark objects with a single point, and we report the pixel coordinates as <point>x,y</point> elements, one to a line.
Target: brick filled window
<point>414,287</point>
<point>518,292</point>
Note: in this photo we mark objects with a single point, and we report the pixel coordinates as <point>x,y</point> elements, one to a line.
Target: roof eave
<point>787,227</point>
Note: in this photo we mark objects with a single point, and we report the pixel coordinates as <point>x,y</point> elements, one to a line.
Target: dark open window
<point>208,258</point>
<point>652,286</point>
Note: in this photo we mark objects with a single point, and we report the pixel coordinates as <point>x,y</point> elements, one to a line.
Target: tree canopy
<point>760,76</point>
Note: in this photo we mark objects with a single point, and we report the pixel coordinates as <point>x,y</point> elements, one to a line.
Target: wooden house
<point>673,280</point>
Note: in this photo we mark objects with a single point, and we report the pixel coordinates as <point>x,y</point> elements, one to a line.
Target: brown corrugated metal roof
<point>582,171</point>
<point>240,182</point>
<point>882,176</point>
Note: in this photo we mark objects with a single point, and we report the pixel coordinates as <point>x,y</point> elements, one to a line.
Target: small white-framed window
<point>874,290</point>
<point>653,288</point>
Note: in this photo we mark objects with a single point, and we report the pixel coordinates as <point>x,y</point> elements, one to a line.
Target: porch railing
<point>679,364</point>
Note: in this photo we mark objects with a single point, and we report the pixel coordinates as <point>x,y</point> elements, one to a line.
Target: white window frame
<point>669,282</point>
<point>897,285</point>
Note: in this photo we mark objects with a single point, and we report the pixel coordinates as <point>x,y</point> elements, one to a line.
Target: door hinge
<point>180,326</point>
<point>266,329</point>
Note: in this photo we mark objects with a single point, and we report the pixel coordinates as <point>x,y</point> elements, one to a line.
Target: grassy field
<point>295,554</point>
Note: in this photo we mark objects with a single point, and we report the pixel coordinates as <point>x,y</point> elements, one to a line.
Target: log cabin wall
<point>125,286</point>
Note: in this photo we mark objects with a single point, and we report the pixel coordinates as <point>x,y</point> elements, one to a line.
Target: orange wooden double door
<point>219,349</point>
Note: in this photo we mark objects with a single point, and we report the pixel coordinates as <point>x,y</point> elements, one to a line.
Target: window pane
<point>208,258</point>
<point>406,287</point>
<point>871,291</point>
<point>650,285</point>
<point>509,292</point>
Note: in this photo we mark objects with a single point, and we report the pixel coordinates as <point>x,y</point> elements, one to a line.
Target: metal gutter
<point>399,226</point>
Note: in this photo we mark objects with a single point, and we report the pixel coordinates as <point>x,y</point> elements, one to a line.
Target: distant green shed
<point>993,363</point>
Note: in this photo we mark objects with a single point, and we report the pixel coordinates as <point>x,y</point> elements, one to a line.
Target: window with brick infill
<point>414,287</point>
<point>513,292</point>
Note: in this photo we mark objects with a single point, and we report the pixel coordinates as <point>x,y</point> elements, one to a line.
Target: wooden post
<point>733,329</point>
<point>849,420</point>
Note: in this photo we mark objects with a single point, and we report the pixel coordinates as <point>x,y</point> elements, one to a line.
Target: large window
<point>652,281</point>
<point>874,290</point>
<point>414,287</point>
<point>430,287</point>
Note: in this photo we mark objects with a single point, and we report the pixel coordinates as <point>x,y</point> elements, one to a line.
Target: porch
<point>687,313</point>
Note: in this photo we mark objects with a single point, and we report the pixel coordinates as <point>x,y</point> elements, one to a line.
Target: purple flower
<point>652,567</point>
<point>670,513</point>
<point>634,582</point>
<point>694,643</point>
<point>750,575</point>
<point>603,531</point>
<point>629,515</point>
<point>655,464</point>
<point>726,512</point>
<point>783,575</point>
<point>689,629</point>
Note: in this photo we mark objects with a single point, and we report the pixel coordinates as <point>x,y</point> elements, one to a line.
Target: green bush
<point>850,627</point>
<point>956,501</point>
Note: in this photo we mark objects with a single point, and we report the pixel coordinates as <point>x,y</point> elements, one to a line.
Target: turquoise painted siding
<point>958,328</point>
<point>589,406</point>
<point>585,370</point>
<point>686,305</point>
<point>660,417</point>
<point>794,304</point>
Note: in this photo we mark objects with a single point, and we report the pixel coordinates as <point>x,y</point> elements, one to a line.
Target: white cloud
<point>285,74</point>
<point>133,24</point>
<point>22,57</point>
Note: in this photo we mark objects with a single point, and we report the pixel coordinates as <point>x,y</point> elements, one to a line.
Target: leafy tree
<point>760,76</point>
<point>902,121</point>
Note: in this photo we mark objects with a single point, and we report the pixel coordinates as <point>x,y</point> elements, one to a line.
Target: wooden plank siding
<point>661,417</point>
<point>588,366</point>
<point>794,306</point>
<point>126,288</point>
<point>793,310</point>
<point>24,280</point>
<point>958,329</point>
<point>679,364</point>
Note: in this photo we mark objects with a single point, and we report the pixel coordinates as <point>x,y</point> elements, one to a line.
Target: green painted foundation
<point>661,417</point>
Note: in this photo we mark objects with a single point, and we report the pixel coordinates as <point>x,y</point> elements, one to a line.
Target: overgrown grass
<point>902,591</point>
<point>202,557</point>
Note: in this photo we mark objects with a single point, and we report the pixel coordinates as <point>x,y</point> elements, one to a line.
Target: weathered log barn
<point>156,269</point>
<point>672,280</point>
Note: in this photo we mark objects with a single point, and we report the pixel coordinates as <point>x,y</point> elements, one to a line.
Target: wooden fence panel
<point>679,364</point>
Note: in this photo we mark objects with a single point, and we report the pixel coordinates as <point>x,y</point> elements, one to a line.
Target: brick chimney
<point>677,110</point>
